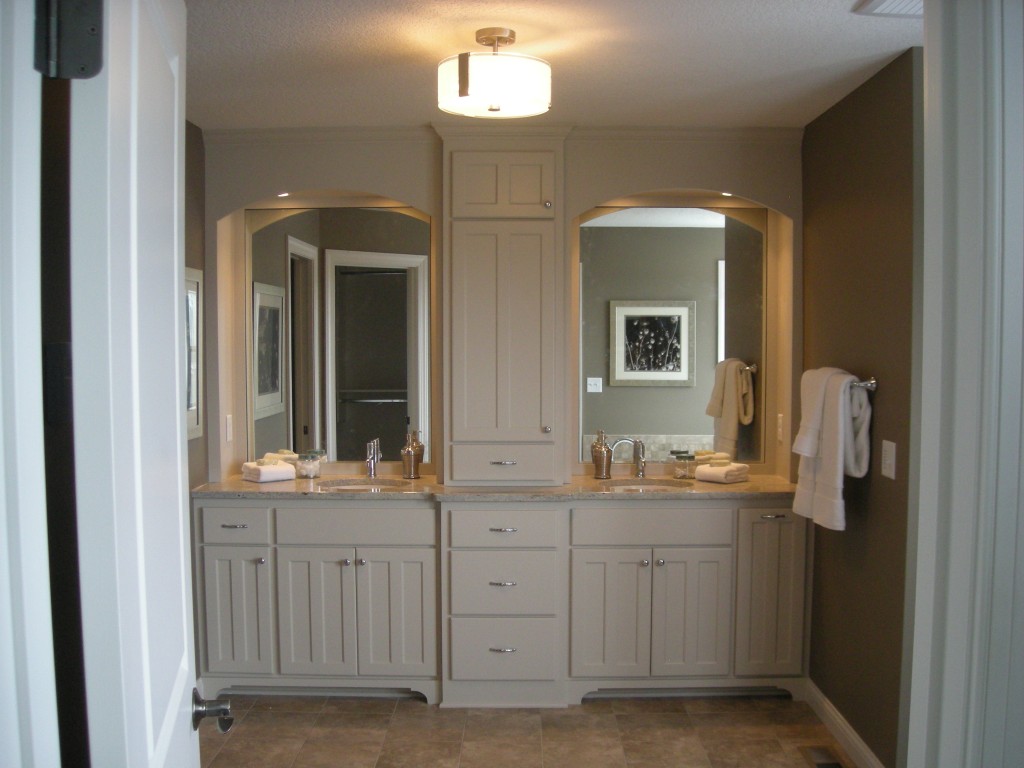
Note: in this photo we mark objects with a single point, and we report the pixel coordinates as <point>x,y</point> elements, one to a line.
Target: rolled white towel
<point>267,473</point>
<point>281,455</point>
<point>734,473</point>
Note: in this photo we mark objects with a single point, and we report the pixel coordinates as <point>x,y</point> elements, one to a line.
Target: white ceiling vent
<point>906,9</point>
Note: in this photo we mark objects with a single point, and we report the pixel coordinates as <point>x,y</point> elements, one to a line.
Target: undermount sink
<point>644,484</point>
<point>369,484</point>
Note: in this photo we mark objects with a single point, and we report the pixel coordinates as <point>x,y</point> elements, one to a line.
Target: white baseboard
<point>848,739</point>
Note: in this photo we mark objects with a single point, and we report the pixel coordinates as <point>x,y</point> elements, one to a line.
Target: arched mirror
<point>339,326</point>
<point>665,294</point>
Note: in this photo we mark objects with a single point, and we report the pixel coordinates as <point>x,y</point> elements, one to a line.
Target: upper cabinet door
<point>503,185</point>
<point>503,331</point>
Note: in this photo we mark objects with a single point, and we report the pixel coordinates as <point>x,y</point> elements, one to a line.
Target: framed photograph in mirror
<point>269,321</point>
<point>193,352</point>
<point>652,343</point>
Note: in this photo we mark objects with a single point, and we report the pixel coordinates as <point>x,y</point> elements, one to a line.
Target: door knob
<point>219,708</point>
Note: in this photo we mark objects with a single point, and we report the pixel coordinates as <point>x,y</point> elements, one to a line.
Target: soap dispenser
<point>412,455</point>
<point>602,456</point>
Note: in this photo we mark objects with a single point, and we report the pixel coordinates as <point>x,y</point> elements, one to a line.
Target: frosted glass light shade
<point>501,85</point>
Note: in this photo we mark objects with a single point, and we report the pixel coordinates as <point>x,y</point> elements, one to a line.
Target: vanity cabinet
<point>237,598</point>
<point>643,611</point>
<point>503,257</point>
<point>505,604</point>
<point>334,594</point>
<point>770,575</point>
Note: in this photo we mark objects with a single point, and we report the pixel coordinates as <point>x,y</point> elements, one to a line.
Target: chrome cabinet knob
<point>361,561</point>
<point>261,560</point>
<point>546,430</point>
<point>548,203</point>
<point>661,561</point>
<point>644,563</point>
<point>346,561</point>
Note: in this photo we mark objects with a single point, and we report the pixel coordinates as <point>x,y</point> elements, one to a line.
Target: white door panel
<point>127,281</point>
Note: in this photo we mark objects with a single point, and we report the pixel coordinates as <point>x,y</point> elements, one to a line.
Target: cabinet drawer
<point>236,525</point>
<point>503,649</point>
<point>391,527</point>
<point>503,582</point>
<point>504,528</point>
<point>498,462</point>
<point>628,526</point>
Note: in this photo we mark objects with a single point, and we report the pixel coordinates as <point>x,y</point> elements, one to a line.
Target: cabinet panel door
<point>397,609</point>
<point>691,615</point>
<point>237,584</point>
<point>771,551</point>
<point>503,184</point>
<point>611,612</point>
<point>503,331</point>
<point>316,593</point>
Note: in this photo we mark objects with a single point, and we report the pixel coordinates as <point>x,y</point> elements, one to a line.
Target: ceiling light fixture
<point>494,84</point>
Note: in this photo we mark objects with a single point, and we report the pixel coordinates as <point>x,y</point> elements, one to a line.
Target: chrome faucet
<point>639,460</point>
<point>373,457</point>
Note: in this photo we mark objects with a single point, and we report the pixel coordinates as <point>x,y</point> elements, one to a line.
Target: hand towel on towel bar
<point>731,402</point>
<point>841,446</point>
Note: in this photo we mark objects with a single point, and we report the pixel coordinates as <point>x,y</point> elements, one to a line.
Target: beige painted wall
<point>247,168</point>
<point>858,250</point>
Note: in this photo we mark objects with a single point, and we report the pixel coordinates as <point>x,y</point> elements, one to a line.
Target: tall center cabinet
<point>504,306</point>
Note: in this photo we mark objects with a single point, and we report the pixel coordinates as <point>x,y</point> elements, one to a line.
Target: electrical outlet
<point>889,459</point>
<point>594,384</point>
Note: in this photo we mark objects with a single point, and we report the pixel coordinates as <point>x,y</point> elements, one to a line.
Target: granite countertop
<point>766,487</point>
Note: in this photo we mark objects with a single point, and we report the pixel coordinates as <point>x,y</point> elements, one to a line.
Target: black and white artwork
<point>652,343</point>
<point>268,349</point>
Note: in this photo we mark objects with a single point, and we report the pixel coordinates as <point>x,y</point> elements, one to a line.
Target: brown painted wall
<point>858,179</point>
<point>195,257</point>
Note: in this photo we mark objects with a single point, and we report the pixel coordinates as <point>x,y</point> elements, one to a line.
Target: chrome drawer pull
<point>772,517</point>
<point>504,530</point>
<point>505,463</point>
<point>503,650</point>
<point>502,583</point>
<point>234,525</point>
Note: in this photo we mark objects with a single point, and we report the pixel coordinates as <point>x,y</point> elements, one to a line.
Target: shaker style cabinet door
<point>770,572</point>
<point>503,184</point>
<point>237,599</point>
<point>316,597</point>
<point>503,331</point>
<point>611,612</point>
<point>691,613</point>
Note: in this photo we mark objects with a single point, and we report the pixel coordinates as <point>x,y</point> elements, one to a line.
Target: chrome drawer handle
<point>504,530</point>
<point>503,650</point>
<point>772,517</point>
<point>234,525</point>
<point>505,463</point>
<point>502,583</point>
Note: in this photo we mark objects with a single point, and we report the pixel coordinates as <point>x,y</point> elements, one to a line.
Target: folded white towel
<point>734,473</point>
<point>731,402</point>
<point>267,473</point>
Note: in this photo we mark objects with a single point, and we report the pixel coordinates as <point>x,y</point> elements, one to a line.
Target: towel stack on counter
<point>718,467</point>
<point>279,465</point>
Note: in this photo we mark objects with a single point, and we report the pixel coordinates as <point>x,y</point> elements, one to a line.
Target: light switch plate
<point>228,431</point>
<point>594,384</point>
<point>889,459</point>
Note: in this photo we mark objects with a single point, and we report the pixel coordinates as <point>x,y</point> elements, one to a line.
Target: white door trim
<point>28,707</point>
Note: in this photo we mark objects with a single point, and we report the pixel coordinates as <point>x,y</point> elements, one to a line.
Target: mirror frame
<point>777,375</point>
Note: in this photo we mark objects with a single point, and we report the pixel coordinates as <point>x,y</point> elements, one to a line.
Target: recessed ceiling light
<point>283,194</point>
<point>727,194</point>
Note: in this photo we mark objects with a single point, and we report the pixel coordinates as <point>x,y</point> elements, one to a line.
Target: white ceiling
<point>615,63</point>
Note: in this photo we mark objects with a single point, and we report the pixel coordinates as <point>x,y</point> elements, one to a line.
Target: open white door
<point>127,177</point>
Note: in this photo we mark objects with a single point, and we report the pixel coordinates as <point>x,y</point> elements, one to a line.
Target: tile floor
<point>322,732</point>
